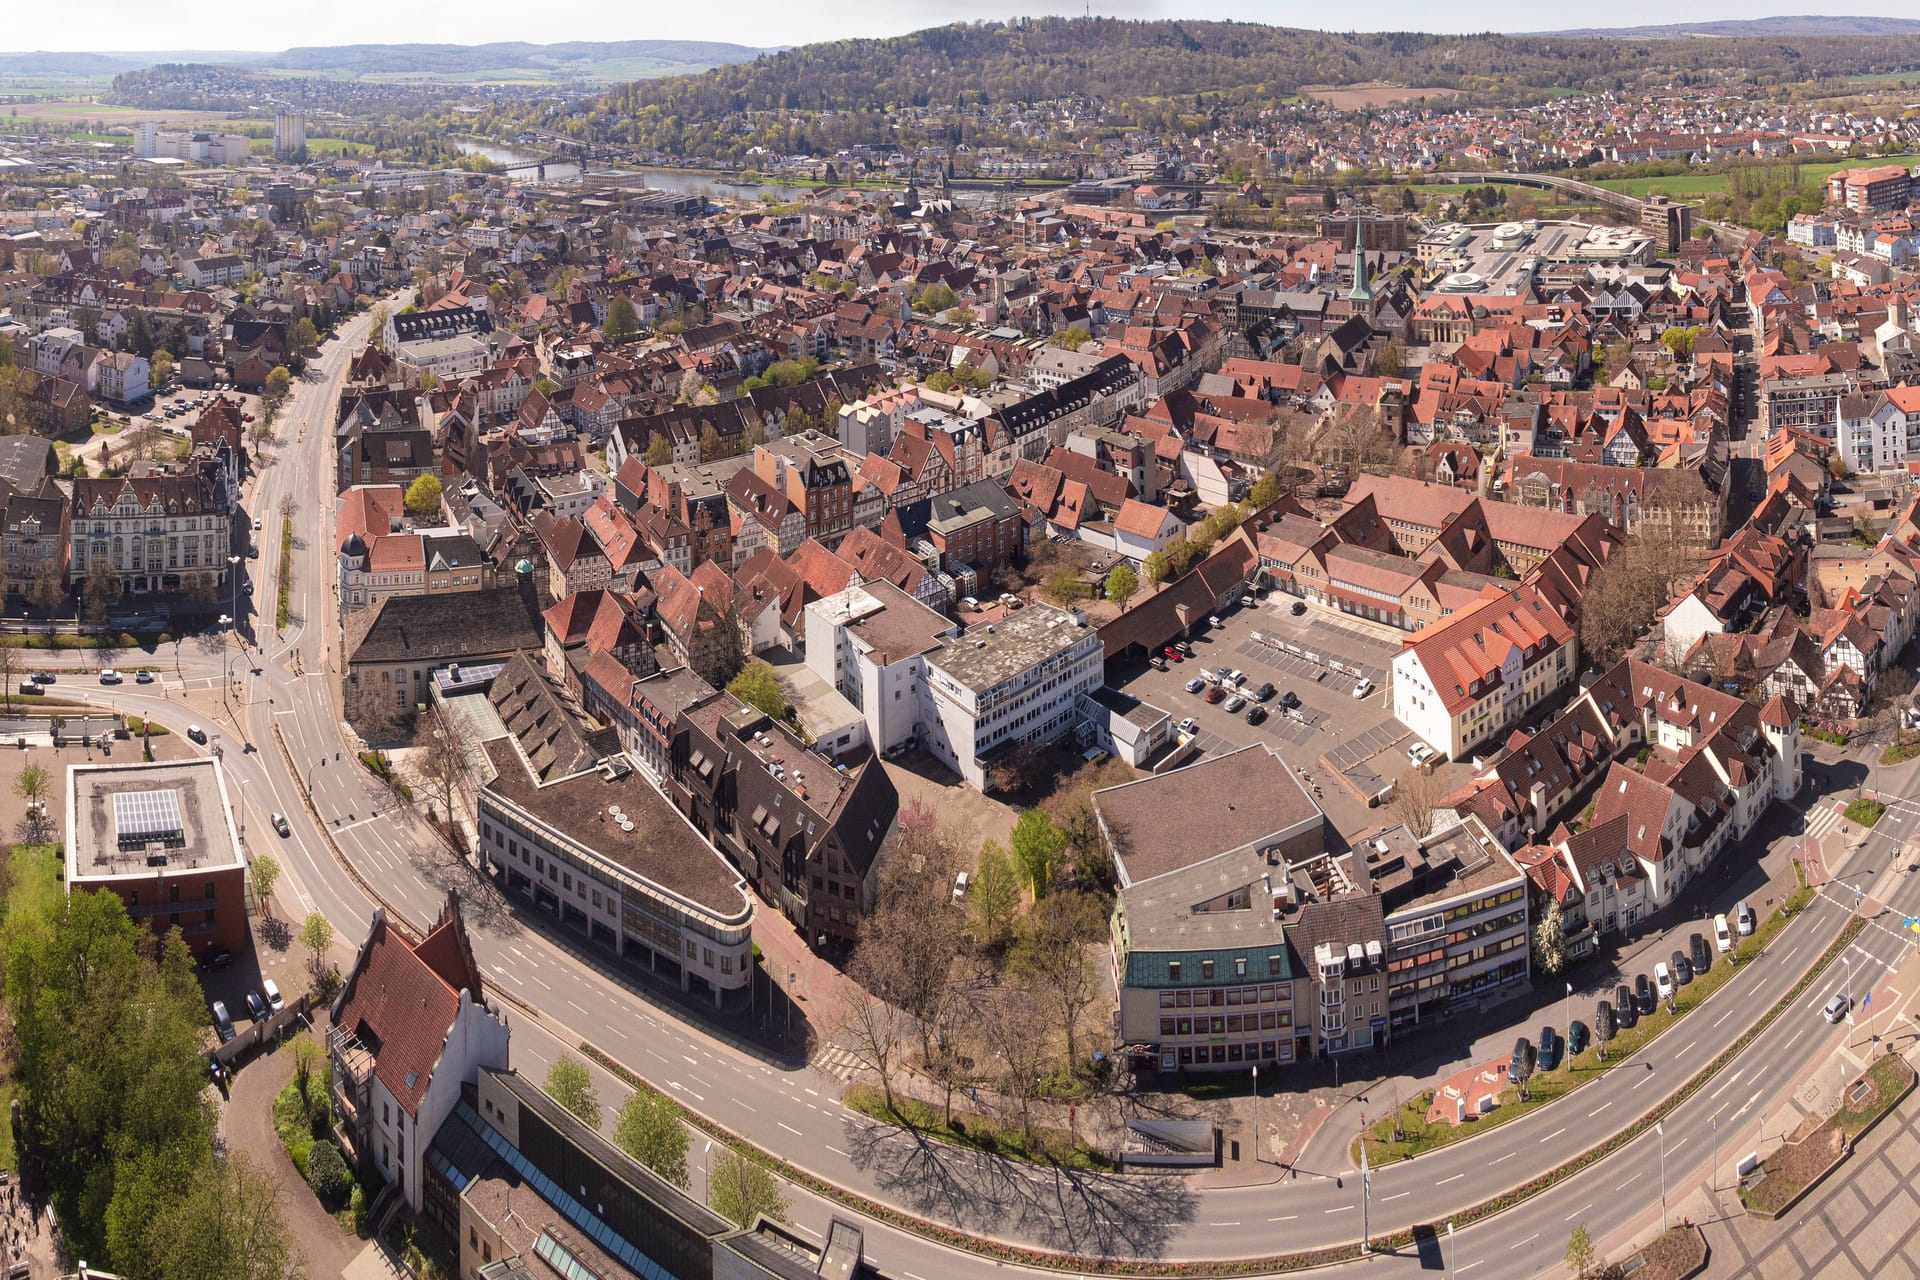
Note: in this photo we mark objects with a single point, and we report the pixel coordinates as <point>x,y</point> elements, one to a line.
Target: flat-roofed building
<point>162,837</point>
<point>604,853</point>
<point>1201,950</point>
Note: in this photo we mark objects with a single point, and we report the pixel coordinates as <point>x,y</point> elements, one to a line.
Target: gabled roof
<point>401,997</point>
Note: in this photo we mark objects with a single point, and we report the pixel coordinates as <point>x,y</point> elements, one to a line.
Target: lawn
<point>1418,1136</point>
<point>1679,184</point>
<point>1864,811</point>
<point>1715,183</point>
<point>286,575</point>
<point>981,1133</point>
<point>36,889</point>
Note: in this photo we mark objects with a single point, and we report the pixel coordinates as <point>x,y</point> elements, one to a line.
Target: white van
<point>1362,689</point>
<point>1722,936</point>
<point>1663,981</point>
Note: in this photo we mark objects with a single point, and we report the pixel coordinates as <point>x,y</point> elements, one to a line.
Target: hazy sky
<point>107,25</point>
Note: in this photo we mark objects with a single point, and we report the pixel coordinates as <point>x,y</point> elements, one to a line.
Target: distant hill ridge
<point>1785,25</point>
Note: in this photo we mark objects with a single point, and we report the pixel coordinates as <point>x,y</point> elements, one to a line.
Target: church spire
<point>1362,290</point>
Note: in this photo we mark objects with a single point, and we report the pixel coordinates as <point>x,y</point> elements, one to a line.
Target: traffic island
<point>1675,1255</point>
<point>1818,1147</point>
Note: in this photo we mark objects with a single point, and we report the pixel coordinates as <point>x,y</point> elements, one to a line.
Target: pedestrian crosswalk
<point>837,1061</point>
<point>1822,818</point>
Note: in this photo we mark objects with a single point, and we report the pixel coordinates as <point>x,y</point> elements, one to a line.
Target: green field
<point>1680,184</point>
<point>1711,184</point>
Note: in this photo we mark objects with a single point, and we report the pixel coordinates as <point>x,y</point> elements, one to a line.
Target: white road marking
<point>1577,1212</point>
<point>1398,1195</point>
<point>1556,1133</point>
<point>1597,1110</point>
<point>1285,1218</point>
<point>1523,1243</point>
<point>1340,1208</point>
<point>1455,1178</point>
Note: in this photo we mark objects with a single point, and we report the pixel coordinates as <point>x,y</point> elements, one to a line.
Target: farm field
<point>75,111</point>
<point>1353,97</point>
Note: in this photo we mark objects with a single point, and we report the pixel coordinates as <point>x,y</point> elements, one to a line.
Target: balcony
<point>353,1062</point>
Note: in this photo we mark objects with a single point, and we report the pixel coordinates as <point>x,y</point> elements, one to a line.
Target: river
<point>675,180</point>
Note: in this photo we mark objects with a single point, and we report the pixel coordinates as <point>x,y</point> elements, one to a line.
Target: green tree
<point>1265,491</point>
<point>740,1190</point>
<point>161,367</point>
<point>1156,568</point>
<point>264,873</point>
<point>279,382</point>
<point>711,445</point>
<point>934,298</point>
<point>423,497</point>
<point>622,321</point>
<point>993,896</point>
<point>1122,582</point>
<point>1036,845</point>
<point>650,1130</point>
<point>305,336</point>
<point>659,450</point>
<point>1063,586</point>
<point>226,1226</point>
<point>1071,338</point>
<point>316,935</point>
<point>1181,553</point>
<point>545,386</point>
<point>1580,1255</point>
<point>758,685</point>
<point>569,1085</point>
<point>111,1082</point>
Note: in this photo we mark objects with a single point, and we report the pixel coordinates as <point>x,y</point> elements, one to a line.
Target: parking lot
<point>1329,732</point>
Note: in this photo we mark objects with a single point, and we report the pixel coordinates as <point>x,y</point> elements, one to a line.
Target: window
<point>1239,966</point>
<point>1206,968</point>
<point>1173,970</point>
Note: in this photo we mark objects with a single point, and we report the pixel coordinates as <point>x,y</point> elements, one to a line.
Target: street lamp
<point>1848,987</point>
<point>1660,1127</point>
<point>233,589</point>
<point>1449,1251</point>
<point>1256,1114</point>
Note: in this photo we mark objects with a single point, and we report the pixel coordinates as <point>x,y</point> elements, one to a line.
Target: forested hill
<point>1150,72</point>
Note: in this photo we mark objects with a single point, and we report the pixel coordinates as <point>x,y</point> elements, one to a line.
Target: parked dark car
<point>256,1007</point>
<point>221,1022</point>
<point>1643,998</point>
<point>1264,692</point>
<point>1299,607</point>
<point>1700,951</point>
<point>1520,1066</point>
<point>1255,714</point>
<point>1549,1053</point>
<point>1289,699</point>
<point>1682,968</point>
<point>1576,1038</point>
<point>1624,1012</point>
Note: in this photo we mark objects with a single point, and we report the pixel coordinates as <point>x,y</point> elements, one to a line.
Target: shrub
<point>327,1172</point>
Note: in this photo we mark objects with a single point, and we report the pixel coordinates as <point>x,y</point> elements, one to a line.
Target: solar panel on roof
<point>141,817</point>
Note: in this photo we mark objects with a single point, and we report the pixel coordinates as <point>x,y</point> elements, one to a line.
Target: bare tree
<point>1416,794</point>
<point>1051,960</point>
<point>878,1035</point>
<point>905,956</point>
<point>442,769</point>
<point>1015,1027</point>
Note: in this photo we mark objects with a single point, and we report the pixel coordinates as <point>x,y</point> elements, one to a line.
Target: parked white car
<point>1722,936</point>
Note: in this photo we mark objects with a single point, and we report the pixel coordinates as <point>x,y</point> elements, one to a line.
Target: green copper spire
<point>1362,291</point>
